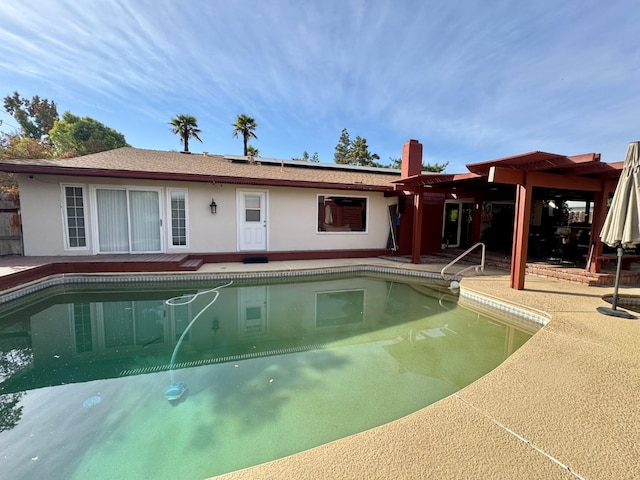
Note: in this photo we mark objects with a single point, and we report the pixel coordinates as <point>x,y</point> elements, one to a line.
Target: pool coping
<point>481,302</point>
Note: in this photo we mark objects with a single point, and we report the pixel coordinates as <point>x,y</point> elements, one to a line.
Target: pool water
<point>270,370</point>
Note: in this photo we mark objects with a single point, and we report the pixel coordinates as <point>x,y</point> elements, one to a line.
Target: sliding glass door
<point>128,220</point>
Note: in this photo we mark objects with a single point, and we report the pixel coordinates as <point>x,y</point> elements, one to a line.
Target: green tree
<point>252,151</point>
<point>359,153</point>
<point>354,152</point>
<point>245,126</point>
<point>426,167</point>
<point>186,127</point>
<point>18,146</point>
<point>74,136</point>
<point>307,158</point>
<point>35,117</point>
<point>14,146</point>
<point>342,148</point>
<point>436,167</point>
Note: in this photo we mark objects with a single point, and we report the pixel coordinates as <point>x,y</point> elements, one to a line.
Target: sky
<point>471,80</point>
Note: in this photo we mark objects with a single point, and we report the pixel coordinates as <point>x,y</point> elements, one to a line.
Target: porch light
<point>213,206</point>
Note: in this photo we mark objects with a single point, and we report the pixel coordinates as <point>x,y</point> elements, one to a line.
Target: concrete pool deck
<point>565,405</point>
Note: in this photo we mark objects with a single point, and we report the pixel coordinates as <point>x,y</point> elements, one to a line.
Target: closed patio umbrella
<point>621,227</point>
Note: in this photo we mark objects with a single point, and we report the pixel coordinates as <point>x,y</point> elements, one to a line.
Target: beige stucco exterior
<point>291,216</point>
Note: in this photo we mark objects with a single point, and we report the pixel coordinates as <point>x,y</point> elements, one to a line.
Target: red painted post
<point>417,226</point>
<point>521,235</point>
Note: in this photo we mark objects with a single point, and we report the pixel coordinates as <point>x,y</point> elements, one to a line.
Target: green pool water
<point>271,369</point>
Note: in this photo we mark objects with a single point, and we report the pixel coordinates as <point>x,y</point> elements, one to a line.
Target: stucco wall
<point>291,217</point>
<point>41,214</point>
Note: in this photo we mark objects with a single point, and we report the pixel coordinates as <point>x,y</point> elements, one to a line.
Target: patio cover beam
<point>541,179</point>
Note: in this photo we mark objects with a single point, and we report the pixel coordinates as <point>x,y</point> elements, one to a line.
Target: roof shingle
<point>156,164</point>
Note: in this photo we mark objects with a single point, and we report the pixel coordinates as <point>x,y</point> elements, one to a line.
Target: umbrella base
<point>615,312</point>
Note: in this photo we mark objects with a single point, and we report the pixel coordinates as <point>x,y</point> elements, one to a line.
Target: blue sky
<point>471,80</point>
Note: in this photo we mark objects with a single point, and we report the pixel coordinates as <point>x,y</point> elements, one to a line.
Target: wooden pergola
<point>579,173</point>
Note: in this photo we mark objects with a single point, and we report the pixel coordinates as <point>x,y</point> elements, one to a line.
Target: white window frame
<point>65,218</point>
<point>342,232</point>
<point>169,228</point>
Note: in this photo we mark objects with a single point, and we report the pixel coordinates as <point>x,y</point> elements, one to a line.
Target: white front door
<point>252,309</point>
<point>252,221</point>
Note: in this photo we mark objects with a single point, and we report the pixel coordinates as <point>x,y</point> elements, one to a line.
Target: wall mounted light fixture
<point>213,206</point>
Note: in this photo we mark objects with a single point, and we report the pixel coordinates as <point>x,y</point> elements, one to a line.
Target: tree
<point>436,167</point>
<point>36,116</point>
<point>354,152</point>
<point>245,126</point>
<point>75,136</point>
<point>426,167</point>
<point>359,153</point>
<point>307,158</point>
<point>185,126</point>
<point>18,146</point>
<point>342,148</point>
<point>253,151</point>
<point>14,146</point>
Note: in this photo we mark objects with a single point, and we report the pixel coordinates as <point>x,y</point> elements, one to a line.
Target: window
<point>82,327</point>
<point>133,323</point>
<point>178,209</point>
<point>74,217</point>
<point>128,220</point>
<point>252,210</point>
<point>342,214</point>
<point>343,307</point>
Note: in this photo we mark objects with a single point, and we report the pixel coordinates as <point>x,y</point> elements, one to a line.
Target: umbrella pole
<point>614,301</point>
<point>613,311</point>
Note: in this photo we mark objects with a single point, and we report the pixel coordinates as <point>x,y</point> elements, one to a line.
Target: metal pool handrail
<point>462,255</point>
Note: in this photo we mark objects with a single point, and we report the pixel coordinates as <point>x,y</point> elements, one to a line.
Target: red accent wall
<point>432,222</point>
<point>433,204</point>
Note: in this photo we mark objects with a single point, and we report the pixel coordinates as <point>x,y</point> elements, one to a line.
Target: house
<point>131,200</point>
<point>232,208</point>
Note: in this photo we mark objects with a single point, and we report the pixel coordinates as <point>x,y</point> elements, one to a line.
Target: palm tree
<point>245,126</point>
<point>252,151</point>
<point>186,126</point>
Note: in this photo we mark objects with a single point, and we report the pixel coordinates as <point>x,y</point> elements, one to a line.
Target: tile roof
<point>130,162</point>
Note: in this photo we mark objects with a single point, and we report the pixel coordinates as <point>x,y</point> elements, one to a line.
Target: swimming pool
<point>271,368</point>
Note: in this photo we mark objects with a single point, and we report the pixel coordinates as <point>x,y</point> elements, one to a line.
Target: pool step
<point>191,264</point>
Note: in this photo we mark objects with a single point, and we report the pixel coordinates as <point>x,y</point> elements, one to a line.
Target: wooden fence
<point>10,226</point>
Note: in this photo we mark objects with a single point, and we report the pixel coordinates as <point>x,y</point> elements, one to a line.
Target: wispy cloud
<point>471,80</point>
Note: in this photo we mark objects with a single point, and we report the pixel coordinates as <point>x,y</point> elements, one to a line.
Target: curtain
<point>128,220</point>
<point>145,221</point>
<point>113,227</point>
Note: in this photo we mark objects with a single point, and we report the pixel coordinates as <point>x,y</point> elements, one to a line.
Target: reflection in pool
<point>268,370</point>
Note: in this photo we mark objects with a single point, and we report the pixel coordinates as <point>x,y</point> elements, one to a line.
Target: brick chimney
<point>411,159</point>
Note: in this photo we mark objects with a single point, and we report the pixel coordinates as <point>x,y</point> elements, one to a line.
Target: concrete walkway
<point>566,405</point>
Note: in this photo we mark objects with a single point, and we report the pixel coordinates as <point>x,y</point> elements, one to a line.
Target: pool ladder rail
<point>477,268</point>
